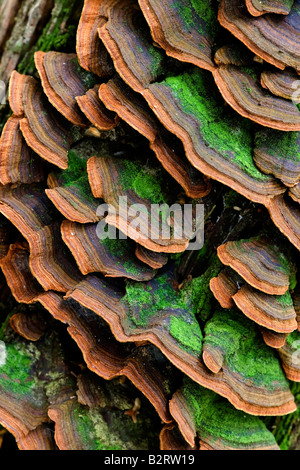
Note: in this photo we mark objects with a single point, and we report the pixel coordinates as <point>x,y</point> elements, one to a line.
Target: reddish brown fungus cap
<point>273,38</point>
<point>246,96</point>
<point>41,126</point>
<point>285,213</point>
<point>178,37</point>
<point>258,262</point>
<point>260,7</point>
<point>92,54</point>
<point>271,311</point>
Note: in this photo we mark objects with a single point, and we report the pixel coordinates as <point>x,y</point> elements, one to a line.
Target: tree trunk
<point>30,25</point>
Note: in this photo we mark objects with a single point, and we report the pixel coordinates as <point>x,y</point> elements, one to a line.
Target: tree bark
<point>30,25</point>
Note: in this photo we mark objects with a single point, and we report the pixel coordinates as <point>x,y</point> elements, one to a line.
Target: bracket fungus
<point>260,7</point>
<point>294,192</point>
<point>185,99</point>
<point>116,332</point>
<point>244,285</point>
<point>132,108</point>
<point>48,261</point>
<point>224,286</point>
<point>240,89</point>
<point>41,127</point>
<point>200,412</point>
<point>228,352</point>
<point>148,313</point>
<point>285,214</point>
<point>152,258</point>
<point>278,153</point>
<point>15,267</point>
<point>19,164</point>
<point>289,354</point>
<point>95,111</point>
<point>185,30</point>
<point>136,187</point>
<point>91,53</point>
<point>62,82</point>
<point>280,83</point>
<point>70,192</point>
<point>259,263</point>
<point>273,312</point>
<point>273,38</point>
<point>233,54</point>
<point>106,256</point>
<point>72,201</point>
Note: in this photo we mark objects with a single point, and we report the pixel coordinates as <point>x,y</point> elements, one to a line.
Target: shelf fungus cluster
<point>119,334</point>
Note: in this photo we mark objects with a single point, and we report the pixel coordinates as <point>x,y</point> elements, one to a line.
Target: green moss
<point>118,247</point>
<point>284,264</point>
<point>132,268</point>
<point>244,349</point>
<point>199,291</point>
<point>123,249</point>
<point>251,71</point>
<point>18,375</point>
<point>285,300</point>
<point>4,325</point>
<point>293,339</point>
<point>109,428</point>
<point>286,428</point>
<point>87,78</point>
<point>139,299</point>
<point>15,374</point>
<point>199,15</point>
<point>54,36</point>
<point>76,174</point>
<point>145,182</point>
<point>76,167</point>
<point>93,431</point>
<point>296,8</point>
<point>187,334</point>
<point>227,133</point>
<point>279,144</point>
<point>157,61</point>
<point>147,301</point>
<point>293,279</point>
<point>151,57</point>
<point>217,420</point>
